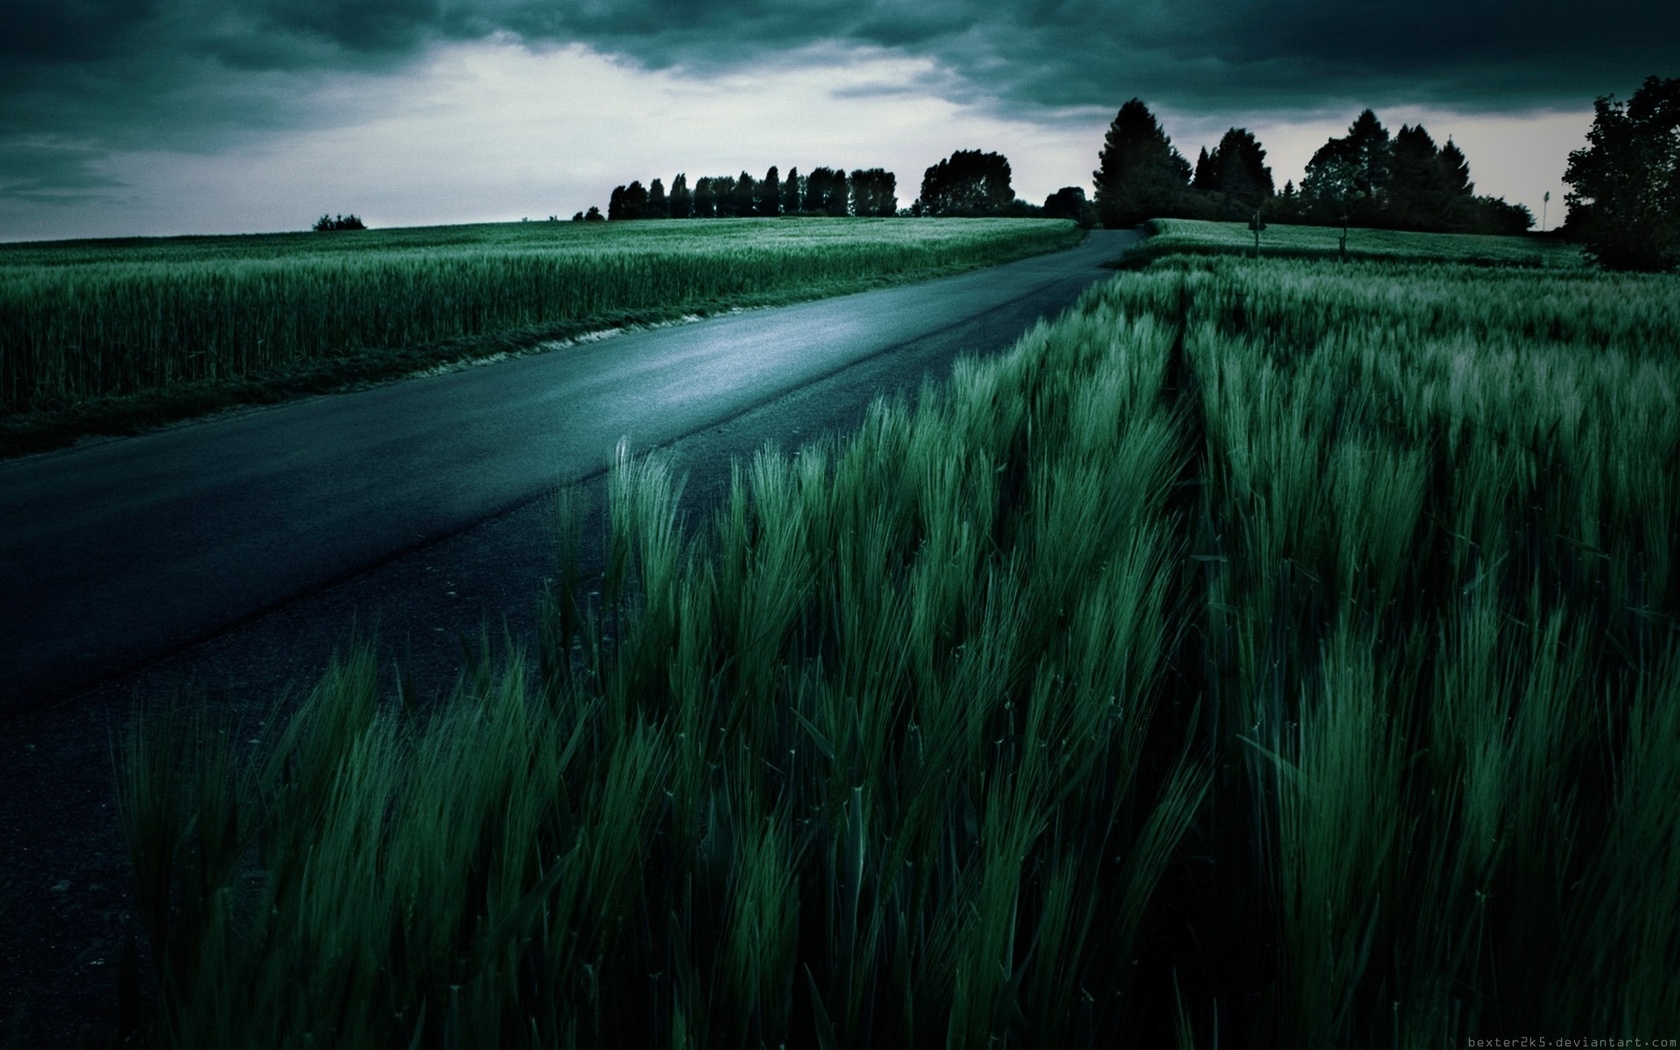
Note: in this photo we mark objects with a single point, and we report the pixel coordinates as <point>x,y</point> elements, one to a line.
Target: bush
<point>339,222</point>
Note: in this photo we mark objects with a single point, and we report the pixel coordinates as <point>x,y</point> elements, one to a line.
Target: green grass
<point>111,336</point>
<point>1262,655</point>
<point>1199,237</point>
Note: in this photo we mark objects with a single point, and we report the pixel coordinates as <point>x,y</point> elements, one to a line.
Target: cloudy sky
<point>126,117</point>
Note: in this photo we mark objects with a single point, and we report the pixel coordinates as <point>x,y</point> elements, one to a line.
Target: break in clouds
<point>79,78</point>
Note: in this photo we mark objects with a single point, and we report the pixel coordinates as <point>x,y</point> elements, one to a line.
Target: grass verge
<point>1282,241</point>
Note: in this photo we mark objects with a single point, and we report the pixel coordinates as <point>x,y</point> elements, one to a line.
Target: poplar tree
<point>681,200</point>
<point>793,193</point>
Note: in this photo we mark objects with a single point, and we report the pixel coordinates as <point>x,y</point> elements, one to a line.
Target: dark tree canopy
<point>628,202</point>
<point>681,201</point>
<point>793,192</point>
<point>328,223</point>
<point>1428,187</point>
<point>1404,181</point>
<point>874,192</point>
<point>1240,171</point>
<point>742,204</point>
<point>1141,176</point>
<point>1624,201</point>
<point>705,198</point>
<point>1069,203</point>
<point>1346,175</point>
<point>826,192</point>
<point>1372,153</point>
<point>968,182</point>
<point>1455,171</point>
<point>1206,179</point>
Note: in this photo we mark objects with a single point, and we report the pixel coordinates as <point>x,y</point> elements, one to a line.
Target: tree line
<point>967,183</point>
<point>1368,177</point>
<point>825,191</point>
<point>1624,201</point>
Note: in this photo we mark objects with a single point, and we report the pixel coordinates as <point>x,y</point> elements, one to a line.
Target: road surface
<point>119,552</point>
<point>235,555</point>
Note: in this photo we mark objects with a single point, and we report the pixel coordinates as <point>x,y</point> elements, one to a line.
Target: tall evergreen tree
<point>657,206</point>
<point>1206,179</point>
<point>1455,172</point>
<point>1417,187</point>
<point>1240,170</point>
<point>615,204</point>
<point>1140,175</point>
<point>705,198</point>
<point>1369,146</point>
<point>769,193</point>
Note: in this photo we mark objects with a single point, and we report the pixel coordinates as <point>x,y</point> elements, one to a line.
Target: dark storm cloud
<point>77,76</point>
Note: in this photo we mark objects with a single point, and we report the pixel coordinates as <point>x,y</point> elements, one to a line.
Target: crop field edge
<point>104,417</point>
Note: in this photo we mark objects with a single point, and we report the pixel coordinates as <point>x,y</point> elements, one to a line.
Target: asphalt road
<point>115,554</point>
<point>232,557</point>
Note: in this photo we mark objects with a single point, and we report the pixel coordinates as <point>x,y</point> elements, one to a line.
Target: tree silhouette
<point>1140,175</point>
<point>793,193</point>
<point>327,223</point>
<point>723,193</point>
<point>741,200</point>
<point>769,193</point>
<point>1069,203</point>
<point>635,200</point>
<point>1346,177</point>
<point>968,182</point>
<point>1624,200</point>
<point>681,202</point>
<point>1331,185</point>
<point>826,192</point>
<point>1455,172</point>
<point>874,192</point>
<point>1240,169</point>
<point>657,206</point>
<point>1206,179</point>
<point>1417,190</point>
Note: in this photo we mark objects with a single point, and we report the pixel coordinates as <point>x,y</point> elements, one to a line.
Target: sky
<point>156,117</point>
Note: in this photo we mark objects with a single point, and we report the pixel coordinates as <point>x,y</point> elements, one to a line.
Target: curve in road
<point>118,552</point>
